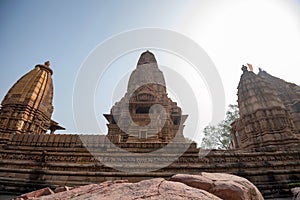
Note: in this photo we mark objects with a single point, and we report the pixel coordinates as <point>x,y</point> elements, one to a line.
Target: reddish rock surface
<point>36,194</point>
<point>208,186</point>
<point>62,189</point>
<point>225,186</point>
<point>148,189</point>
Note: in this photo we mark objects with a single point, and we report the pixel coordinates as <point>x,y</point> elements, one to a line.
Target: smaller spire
<point>263,72</point>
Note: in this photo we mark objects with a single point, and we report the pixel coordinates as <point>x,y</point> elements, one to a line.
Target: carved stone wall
<point>37,161</point>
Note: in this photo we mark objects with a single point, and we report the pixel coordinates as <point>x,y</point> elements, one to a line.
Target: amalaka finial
<point>45,66</point>
<point>47,63</point>
<point>147,57</point>
<point>244,68</point>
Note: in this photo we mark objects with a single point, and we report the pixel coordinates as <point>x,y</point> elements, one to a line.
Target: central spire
<point>145,113</point>
<point>146,72</point>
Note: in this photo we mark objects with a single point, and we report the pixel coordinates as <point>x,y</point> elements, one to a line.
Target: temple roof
<point>34,89</point>
<point>254,93</point>
<point>146,72</point>
<point>265,123</point>
<point>288,92</point>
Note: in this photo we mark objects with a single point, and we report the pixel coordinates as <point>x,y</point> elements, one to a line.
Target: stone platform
<point>30,162</point>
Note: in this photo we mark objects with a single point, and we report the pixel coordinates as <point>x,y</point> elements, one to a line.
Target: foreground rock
<point>296,193</point>
<point>149,189</point>
<point>210,186</point>
<point>37,193</point>
<point>225,186</point>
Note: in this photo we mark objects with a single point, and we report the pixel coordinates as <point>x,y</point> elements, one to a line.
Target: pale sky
<point>265,33</point>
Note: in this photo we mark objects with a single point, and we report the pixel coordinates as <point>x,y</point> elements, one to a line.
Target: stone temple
<point>145,130</point>
<point>145,113</point>
<point>269,113</point>
<point>27,107</point>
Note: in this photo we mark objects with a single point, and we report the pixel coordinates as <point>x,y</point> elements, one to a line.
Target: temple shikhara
<point>265,138</point>
<point>269,113</point>
<point>27,107</point>
<point>145,113</point>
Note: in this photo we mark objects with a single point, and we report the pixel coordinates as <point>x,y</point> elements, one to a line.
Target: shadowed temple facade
<point>265,138</point>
